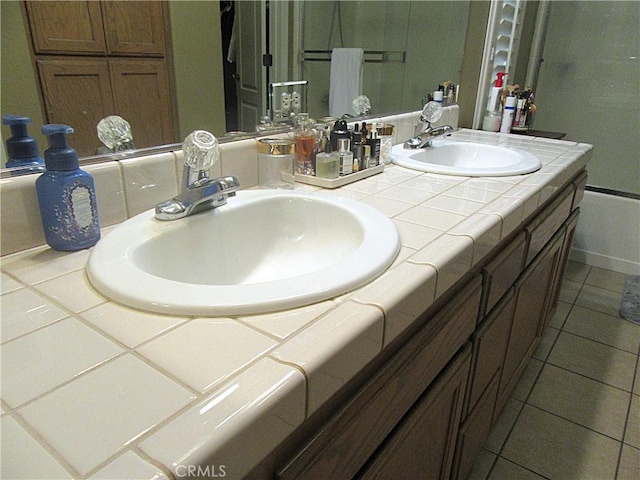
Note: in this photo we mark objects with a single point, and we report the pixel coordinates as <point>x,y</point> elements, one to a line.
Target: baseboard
<point>603,261</point>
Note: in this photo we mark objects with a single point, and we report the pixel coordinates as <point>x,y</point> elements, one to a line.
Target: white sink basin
<point>466,159</point>
<point>264,251</point>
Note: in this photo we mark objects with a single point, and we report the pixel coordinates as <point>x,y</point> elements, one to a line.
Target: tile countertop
<point>94,390</point>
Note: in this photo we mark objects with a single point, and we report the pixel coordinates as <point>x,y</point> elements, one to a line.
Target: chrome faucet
<point>199,191</point>
<point>431,112</point>
<point>426,136</point>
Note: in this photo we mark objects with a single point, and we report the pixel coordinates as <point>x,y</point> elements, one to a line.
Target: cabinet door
<point>66,26</point>
<point>533,293</point>
<point>77,93</point>
<point>142,97</point>
<point>571,224</point>
<point>489,347</point>
<point>134,28</point>
<point>422,446</point>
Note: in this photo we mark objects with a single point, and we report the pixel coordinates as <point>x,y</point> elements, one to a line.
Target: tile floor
<point>575,413</point>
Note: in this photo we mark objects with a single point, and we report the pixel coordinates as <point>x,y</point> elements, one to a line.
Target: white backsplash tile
<point>110,197</point>
<point>240,159</point>
<point>89,420</point>
<point>149,181</point>
<point>21,221</point>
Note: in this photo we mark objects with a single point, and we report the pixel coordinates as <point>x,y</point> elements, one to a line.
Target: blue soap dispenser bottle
<point>66,195</point>
<point>22,150</point>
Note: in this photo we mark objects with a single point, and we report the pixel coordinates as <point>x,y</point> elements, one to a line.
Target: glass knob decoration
<point>361,105</point>
<point>115,132</point>
<point>431,112</point>
<point>201,150</point>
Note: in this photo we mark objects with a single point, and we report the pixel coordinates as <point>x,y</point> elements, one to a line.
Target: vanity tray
<point>340,181</point>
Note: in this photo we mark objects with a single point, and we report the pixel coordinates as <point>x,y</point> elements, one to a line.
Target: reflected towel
<point>346,80</point>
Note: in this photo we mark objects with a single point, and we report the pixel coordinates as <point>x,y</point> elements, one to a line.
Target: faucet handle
<point>431,112</point>
<point>201,150</point>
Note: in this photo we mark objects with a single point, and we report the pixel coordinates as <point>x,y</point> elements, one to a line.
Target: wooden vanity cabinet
<point>426,408</point>
<point>533,291</point>
<point>401,407</point>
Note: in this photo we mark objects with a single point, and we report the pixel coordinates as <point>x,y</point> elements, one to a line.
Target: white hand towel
<point>346,80</point>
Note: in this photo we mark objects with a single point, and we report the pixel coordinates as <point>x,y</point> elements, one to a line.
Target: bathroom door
<point>251,74</point>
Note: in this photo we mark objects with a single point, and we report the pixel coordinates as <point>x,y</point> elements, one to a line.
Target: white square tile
<point>468,192</point>
<point>450,255</point>
<point>206,351</point>
<point>148,181</point>
<point>129,465</point>
<point>72,291</point>
<point>403,293</point>
<point>131,327</point>
<point>39,264</point>
<point>8,284</point>
<point>334,349</point>
<point>92,418</point>
<point>42,360</point>
<point>431,217</point>
<point>530,196</point>
<point>235,426</point>
<point>484,230</point>
<point>23,457</point>
<point>415,236</point>
<point>453,204</point>
<point>406,194</point>
<point>387,206</point>
<point>284,324</point>
<point>433,183</point>
<point>24,311</point>
<point>510,209</point>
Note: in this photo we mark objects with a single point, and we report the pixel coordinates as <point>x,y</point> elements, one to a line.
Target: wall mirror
<point>223,54</point>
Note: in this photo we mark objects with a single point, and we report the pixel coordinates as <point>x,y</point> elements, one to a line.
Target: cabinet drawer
<point>580,184</point>
<point>501,272</point>
<point>545,225</point>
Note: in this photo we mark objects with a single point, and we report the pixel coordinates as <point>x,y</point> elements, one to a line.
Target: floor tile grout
<point>571,275</point>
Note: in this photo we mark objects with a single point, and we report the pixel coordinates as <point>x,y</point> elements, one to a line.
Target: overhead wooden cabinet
<point>96,59</point>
